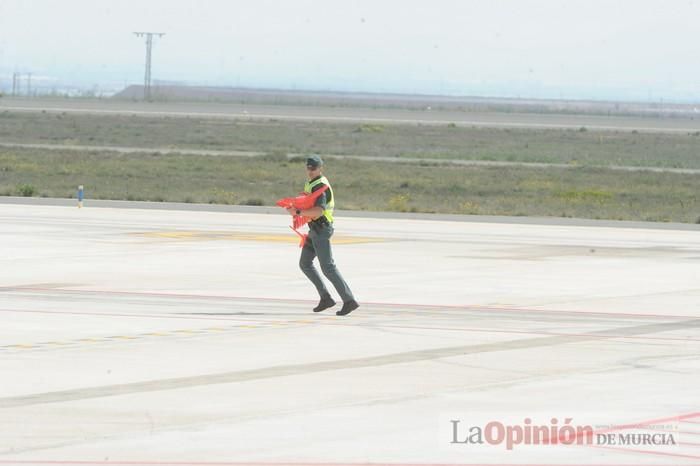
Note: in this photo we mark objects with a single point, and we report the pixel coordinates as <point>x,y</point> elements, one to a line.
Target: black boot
<point>325,303</point>
<point>348,307</point>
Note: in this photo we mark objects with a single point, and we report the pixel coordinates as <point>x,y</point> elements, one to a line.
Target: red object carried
<point>303,201</point>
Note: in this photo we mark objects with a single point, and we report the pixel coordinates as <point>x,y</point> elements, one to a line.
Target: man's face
<point>312,172</point>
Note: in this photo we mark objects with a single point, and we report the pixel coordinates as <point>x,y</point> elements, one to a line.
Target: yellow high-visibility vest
<point>310,185</point>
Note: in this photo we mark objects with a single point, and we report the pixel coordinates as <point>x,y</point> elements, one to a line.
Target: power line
<point>149,45</point>
<point>15,83</point>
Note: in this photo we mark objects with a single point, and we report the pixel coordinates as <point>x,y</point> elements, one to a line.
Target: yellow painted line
<point>356,240</point>
<point>170,234</point>
<point>245,236</point>
<point>112,338</point>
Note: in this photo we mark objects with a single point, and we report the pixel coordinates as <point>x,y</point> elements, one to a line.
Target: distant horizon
<point>609,50</point>
<point>107,89</point>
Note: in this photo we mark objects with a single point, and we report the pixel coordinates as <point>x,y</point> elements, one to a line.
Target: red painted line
<point>636,425</point>
<point>453,329</point>
<point>427,307</point>
<point>153,316</point>
<point>476,330</point>
<point>153,294</point>
<point>674,431</point>
<point>647,452</point>
<point>241,463</point>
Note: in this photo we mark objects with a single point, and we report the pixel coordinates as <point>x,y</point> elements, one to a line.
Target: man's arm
<point>321,203</point>
<point>314,212</point>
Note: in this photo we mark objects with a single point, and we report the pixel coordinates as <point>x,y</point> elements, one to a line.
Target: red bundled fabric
<point>303,201</point>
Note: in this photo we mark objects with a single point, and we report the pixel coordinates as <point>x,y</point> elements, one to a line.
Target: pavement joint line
<point>412,306</point>
<point>330,321</point>
<point>274,372</point>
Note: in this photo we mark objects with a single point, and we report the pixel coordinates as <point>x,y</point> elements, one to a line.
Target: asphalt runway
<point>143,337</point>
<point>357,114</point>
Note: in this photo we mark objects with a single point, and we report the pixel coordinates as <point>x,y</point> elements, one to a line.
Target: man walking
<point>318,242</point>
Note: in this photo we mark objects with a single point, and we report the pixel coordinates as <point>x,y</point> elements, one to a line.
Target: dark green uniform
<point>318,244</point>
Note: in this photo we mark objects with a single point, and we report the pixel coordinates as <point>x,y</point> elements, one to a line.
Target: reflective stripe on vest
<point>310,185</point>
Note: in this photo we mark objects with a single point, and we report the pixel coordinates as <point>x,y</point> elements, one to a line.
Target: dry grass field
<point>588,188</point>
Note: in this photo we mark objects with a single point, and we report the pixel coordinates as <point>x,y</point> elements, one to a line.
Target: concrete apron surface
<point>134,336</point>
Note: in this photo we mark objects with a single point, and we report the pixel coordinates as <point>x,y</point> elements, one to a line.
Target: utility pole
<point>29,84</point>
<point>149,45</point>
<point>15,84</point>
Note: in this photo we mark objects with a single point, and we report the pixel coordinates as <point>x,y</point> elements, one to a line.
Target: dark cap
<point>314,161</point>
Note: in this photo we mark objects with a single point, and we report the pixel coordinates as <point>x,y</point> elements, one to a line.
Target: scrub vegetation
<point>448,141</point>
<point>360,185</point>
<point>574,180</point>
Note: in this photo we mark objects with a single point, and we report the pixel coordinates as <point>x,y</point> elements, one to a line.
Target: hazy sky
<point>643,49</point>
